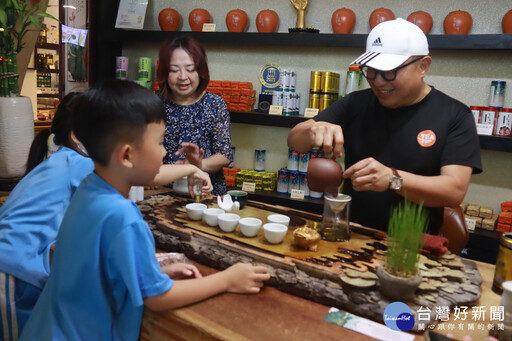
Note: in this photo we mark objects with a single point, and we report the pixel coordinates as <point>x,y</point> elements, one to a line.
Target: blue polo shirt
<point>31,215</point>
<point>104,265</point>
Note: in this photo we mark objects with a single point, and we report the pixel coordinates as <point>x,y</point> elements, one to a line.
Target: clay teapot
<point>168,19</point>
<point>267,21</point>
<point>458,22</point>
<point>236,20</point>
<point>324,175</point>
<point>198,17</point>
<point>380,15</point>
<point>421,19</point>
<point>343,20</point>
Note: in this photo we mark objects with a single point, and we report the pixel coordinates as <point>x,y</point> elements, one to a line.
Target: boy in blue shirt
<point>104,269</point>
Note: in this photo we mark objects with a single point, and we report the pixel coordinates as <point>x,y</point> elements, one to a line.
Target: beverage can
<point>293,80</point>
<point>477,112</point>
<point>259,160</point>
<point>303,162</point>
<point>121,67</point>
<point>144,69</point>
<point>303,183</point>
<point>282,180</point>
<point>354,79</point>
<point>503,271</point>
<point>315,83</point>
<point>293,160</point>
<point>497,95</point>
<point>277,97</point>
<point>504,123</point>
<point>293,180</point>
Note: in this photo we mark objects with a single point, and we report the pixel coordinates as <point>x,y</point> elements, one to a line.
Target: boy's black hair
<point>114,112</point>
<point>61,128</point>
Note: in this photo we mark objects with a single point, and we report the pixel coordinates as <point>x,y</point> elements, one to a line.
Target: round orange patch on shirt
<point>426,138</point>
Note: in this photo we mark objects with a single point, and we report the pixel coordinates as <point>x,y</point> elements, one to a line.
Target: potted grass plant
<point>20,23</point>
<point>399,275</point>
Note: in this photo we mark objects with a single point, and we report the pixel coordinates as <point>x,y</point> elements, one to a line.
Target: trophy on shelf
<point>300,25</point>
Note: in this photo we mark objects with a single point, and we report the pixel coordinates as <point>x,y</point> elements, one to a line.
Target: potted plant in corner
<point>399,275</point>
<point>19,21</point>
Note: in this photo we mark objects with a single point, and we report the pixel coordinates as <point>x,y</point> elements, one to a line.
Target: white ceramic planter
<point>16,135</point>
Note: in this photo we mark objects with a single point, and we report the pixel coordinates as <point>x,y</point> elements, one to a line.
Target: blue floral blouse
<point>205,123</point>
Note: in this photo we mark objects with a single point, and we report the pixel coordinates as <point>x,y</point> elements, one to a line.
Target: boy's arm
<point>239,278</point>
<point>169,173</point>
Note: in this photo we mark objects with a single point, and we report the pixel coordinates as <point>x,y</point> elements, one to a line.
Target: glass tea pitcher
<point>335,219</point>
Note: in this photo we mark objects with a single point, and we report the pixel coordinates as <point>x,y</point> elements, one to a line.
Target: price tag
<point>249,186</point>
<point>297,194</point>
<point>484,129</point>
<point>209,27</point>
<point>275,110</point>
<point>311,112</point>
<point>470,223</point>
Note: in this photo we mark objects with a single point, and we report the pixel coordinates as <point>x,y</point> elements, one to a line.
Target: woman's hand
<point>181,271</point>
<point>193,154</point>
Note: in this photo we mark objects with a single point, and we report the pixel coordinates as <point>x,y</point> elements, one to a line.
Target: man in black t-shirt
<point>401,137</point>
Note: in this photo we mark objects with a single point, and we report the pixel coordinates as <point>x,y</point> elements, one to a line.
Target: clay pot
<point>343,20</point>
<point>421,19</point>
<point>380,15</point>
<point>397,288</point>
<point>236,20</point>
<point>198,17</point>
<point>506,23</point>
<point>169,19</point>
<point>267,21</point>
<point>458,22</point>
<point>324,175</point>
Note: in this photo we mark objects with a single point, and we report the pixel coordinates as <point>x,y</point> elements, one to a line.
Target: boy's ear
<point>125,155</point>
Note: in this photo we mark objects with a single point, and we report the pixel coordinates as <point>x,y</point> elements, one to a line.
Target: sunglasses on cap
<point>371,73</point>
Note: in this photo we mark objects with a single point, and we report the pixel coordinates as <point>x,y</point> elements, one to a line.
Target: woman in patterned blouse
<point>197,121</point>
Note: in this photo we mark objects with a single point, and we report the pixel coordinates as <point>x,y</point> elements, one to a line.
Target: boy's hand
<point>181,271</point>
<point>245,278</point>
<point>201,179</point>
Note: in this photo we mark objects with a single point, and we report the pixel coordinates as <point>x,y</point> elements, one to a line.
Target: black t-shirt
<point>419,139</point>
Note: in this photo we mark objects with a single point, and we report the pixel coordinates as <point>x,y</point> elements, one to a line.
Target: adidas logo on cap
<point>377,42</point>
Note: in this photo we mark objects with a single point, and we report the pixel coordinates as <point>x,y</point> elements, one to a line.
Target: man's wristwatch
<point>396,181</point>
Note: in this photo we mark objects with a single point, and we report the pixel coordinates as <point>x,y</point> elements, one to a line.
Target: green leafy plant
<point>17,18</point>
<point>407,224</point>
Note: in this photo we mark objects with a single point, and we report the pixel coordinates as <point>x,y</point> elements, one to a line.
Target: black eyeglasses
<point>371,73</point>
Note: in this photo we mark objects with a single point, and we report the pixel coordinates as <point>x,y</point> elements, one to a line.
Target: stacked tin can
<point>285,94</point>
<point>295,175</point>
<point>324,89</point>
<point>265,181</point>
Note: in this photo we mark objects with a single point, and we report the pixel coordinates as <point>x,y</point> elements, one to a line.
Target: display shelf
<point>502,144</point>
<point>440,41</point>
<point>48,95</point>
<point>48,46</point>
<point>274,198</point>
<point>265,119</point>
<point>41,70</point>
<point>498,143</point>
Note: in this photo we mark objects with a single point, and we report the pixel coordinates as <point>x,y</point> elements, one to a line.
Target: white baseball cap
<point>391,43</point>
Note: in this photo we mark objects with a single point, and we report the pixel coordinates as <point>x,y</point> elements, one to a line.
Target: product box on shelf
<point>239,96</point>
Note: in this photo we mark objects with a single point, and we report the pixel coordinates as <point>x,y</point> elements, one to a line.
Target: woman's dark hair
<point>114,112</point>
<point>196,52</point>
<point>61,128</point>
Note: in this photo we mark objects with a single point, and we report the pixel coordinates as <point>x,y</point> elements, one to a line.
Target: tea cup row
<point>274,231</point>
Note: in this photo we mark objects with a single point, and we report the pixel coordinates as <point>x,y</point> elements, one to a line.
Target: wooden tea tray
<point>447,281</point>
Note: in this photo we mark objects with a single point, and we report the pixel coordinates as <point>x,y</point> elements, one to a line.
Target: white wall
<point>463,74</point>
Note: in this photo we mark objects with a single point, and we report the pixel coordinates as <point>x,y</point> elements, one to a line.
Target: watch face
<point>395,183</point>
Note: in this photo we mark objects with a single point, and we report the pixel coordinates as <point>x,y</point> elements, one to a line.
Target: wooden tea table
<point>274,314</point>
